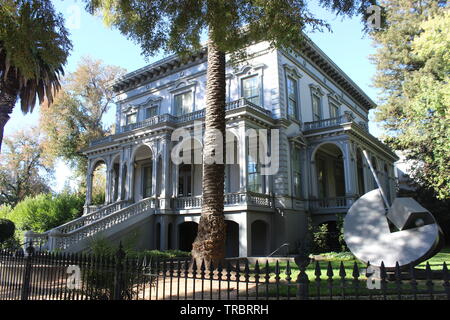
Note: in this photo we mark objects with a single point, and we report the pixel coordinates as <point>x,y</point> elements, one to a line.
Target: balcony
<point>233,106</point>
<point>331,205</point>
<point>330,122</point>
<point>230,200</point>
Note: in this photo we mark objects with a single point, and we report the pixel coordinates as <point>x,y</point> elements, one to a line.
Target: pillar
<point>243,159</point>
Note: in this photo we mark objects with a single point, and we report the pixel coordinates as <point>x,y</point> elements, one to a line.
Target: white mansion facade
<point>322,118</point>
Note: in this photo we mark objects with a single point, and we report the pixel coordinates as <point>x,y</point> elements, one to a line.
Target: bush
<point>45,211</point>
<point>7,229</point>
<point>5,209</point>
<point>320,238</point>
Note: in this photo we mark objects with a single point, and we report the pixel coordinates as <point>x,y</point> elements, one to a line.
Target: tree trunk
<point>209,246</point>
<point>8,98</point>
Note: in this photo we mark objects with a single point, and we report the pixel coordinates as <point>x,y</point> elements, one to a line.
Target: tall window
<point>296,172</point>
<point>131,118</point>
<point>184,181</point>
<point>317,114</point>
<point>183,103</point>
<point>250,89</point>
<point>151,112</point>
<point>334,110</point>
<point>147,179</point>
<point>322,178</point>
<point>292,107</point>
<point>254,176</point>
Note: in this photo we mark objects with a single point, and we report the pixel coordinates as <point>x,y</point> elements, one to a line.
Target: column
<point>243,159</point>
<point>89,177</point>
<point>165,175</point>
<point>130,180</point>
<point>175,172</point>
<point>108,186</point>
<point>350,171</point>
<point>154,175</point>
<point>120,182</point>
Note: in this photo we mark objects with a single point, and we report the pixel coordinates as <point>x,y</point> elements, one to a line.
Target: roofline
<point>310,49</point>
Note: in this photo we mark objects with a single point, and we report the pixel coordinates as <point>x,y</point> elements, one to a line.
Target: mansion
<point>322,119</point>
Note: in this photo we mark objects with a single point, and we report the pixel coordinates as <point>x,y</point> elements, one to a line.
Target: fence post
<point>27,272</point>
<point>118,273</point>
<point>302,285</point>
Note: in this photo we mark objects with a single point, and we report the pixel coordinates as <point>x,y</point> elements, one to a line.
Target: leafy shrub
<point>340,228</point>
<point>320,238</point>
<point>46,211</point>
<point>7,229</point>
<point>5,209</point>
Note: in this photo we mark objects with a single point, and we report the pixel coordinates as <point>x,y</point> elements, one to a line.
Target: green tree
<point>413,68</point>
<point>230,25</point>
<point>24,170</point>
<point>76,116</point>
<point>34,46</point>
<point>46,211</point>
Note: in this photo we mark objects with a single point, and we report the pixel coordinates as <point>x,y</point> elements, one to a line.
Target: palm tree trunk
<point>210,242</point>
<point>8,98</point>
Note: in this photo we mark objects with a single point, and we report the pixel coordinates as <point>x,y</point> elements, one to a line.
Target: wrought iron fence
<point>64,276</point>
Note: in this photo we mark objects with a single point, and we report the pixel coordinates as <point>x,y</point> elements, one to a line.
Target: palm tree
<point>34,46</point>
<point>210,242</point>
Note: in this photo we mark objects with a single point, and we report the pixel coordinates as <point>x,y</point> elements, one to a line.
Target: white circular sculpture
<point>369,236</point>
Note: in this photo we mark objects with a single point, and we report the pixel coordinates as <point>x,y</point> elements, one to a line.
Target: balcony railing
<point>331,203</point>
<point>196,115</point>
<point>330,122</point>
<point>230,199</point>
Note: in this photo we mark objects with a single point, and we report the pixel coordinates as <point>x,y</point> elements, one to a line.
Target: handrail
<point>89,218</point>
<point>283,245</point>
<point>104,223</point>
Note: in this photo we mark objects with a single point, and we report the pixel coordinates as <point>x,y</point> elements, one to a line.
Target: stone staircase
<point>76,235</point>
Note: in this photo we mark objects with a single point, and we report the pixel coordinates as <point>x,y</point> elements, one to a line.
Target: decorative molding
<point>248,69</point>
<point>316,89</point>
<point>292,70</point>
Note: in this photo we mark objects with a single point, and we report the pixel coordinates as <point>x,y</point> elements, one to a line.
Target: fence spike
<point>194,268</point>
<point>445,272</point>
<point>398,273</point>
<point>445,277</point>
<point>330,272</point>
<point>288,271</point>
<point>342,272</point>
<point>383,273</point>
<point>247,269</point>
<point>428,273</point>
<point>317,271</point>
<point>355,272</point>
<point>267,275</point>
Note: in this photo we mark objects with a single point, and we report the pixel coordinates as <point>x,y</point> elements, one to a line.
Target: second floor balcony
<point>242,104</point>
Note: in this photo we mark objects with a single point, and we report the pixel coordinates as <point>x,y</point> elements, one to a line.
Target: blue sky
<point>346,45</point>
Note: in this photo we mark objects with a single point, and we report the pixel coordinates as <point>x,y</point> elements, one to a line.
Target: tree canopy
<point>76,116</point>
<point>413,68</point>
<point>177,26</point>
<point>34,47</point>
<point>24,170</point>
